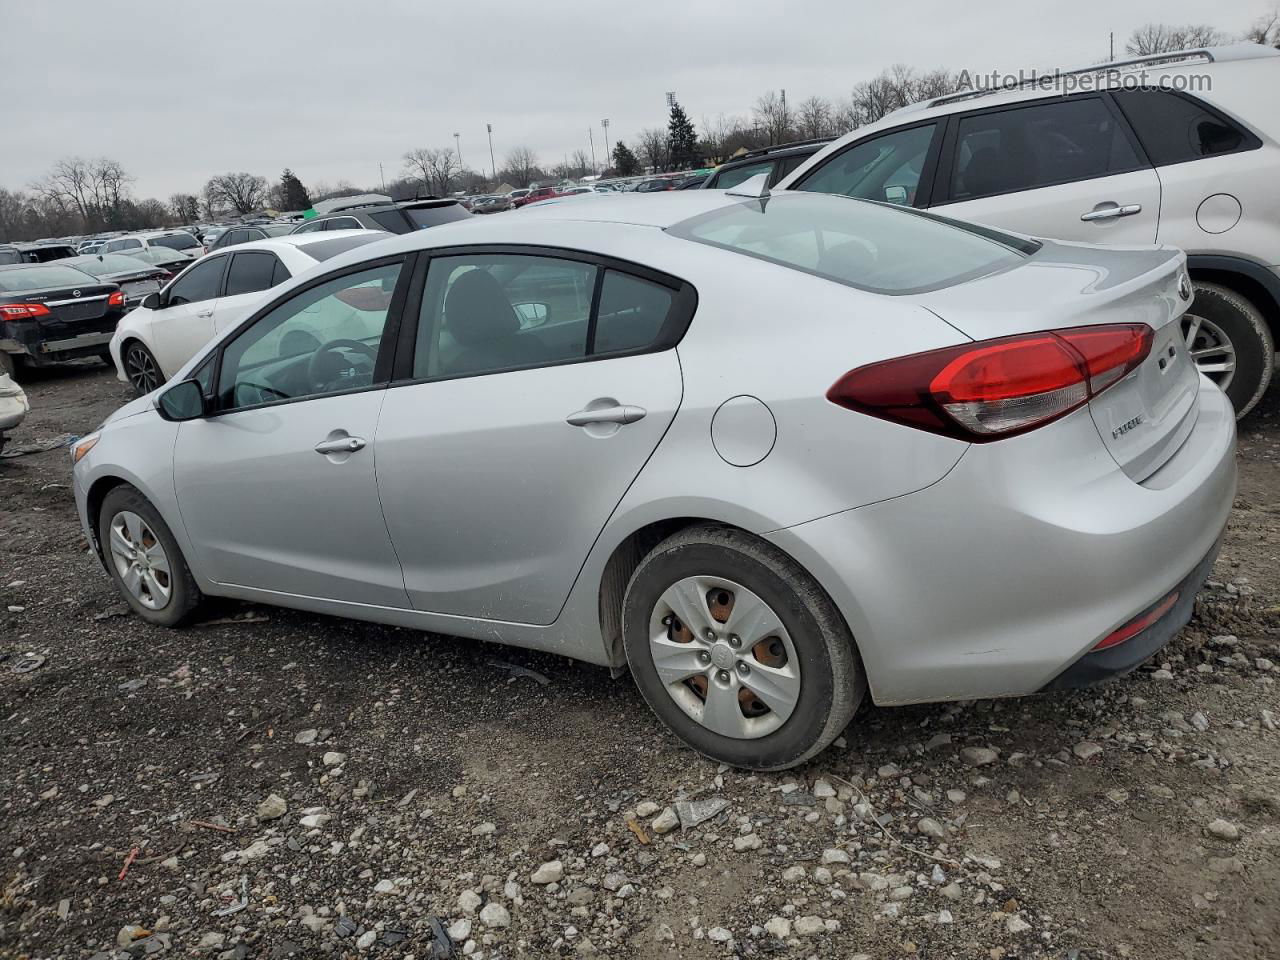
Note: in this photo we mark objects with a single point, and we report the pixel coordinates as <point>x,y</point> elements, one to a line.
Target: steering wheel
<point>316,366</point>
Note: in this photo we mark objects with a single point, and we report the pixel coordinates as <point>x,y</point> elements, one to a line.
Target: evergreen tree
<point>293,192</point>
<point>682,137</point>
<point>624,160</point>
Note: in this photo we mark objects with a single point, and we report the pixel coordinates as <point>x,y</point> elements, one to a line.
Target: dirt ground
<point>280,784</point>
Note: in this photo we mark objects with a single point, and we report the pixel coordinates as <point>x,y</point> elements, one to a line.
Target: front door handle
<point>205,313</point>
<point>622,413</point>
<point>1110,211</point>
<point>340,445</point>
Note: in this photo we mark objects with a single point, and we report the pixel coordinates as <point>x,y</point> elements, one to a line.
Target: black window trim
<point>226,276</point>
<point>924,189</point>
<point>684,305</point>
<point>386,346</point>
<point>941,191</point>
<point>1249,139</point>
<point>222,279</point>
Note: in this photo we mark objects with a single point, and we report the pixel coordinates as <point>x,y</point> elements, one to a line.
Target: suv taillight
<point>992,389</point>
<point>23,311</point>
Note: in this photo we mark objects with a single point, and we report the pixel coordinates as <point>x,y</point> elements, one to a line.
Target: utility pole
<point>457,140</point>
<point>592,140</point>
<point>605,123</point>
<point>493,167</point>
<point>1113,47</point>
<point>382,176</point>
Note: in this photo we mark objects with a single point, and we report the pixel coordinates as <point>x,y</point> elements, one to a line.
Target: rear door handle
<point>340,445</point>
<point>204,313</point>
<point>1110,211</point>
<point>622,413</point>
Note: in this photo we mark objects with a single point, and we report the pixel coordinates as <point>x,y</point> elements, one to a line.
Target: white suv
<point>169,239</point>
<point>1177,148</point>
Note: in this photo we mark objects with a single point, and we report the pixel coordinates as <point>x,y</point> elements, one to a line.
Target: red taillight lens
<point>116,299</point>
<point>997,388</point>
<point>1137,625</point>
<point>23,311</point>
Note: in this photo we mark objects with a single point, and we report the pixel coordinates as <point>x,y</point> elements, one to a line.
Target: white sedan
<point>215,293</point>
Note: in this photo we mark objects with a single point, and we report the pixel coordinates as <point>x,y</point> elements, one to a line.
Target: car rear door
<point>1067,168</point>
<point>183,323</point>
<point>251,273</point>
<point>531,391</point>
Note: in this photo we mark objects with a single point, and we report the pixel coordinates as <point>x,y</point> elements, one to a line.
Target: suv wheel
<point>738,650</point>
<point>1230,343</point>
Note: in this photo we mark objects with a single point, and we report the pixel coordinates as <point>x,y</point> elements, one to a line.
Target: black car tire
<point>184,595</point>
<point>1250,336</point>
<point>133,356</point>
<point>833,682</point>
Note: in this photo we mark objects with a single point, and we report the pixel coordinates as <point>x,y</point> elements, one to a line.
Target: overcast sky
<point>178,90</point>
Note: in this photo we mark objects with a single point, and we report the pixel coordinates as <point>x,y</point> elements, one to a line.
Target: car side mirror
<point>896,194</point>
<point>151,301</point>
<point>532,314</point>
<point>183,401</point>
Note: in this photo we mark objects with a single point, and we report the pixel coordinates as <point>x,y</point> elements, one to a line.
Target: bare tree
<point>773,116</point>
<point>242,192</point>
<point>521,167</point>
<point>653,148</point>
<point>436,167</point>
<point>716,132</point>
<point>186,207</point>
<point>1266,29</point>
<point>580,163</point>
<point>96,189</point>
<point>1165,38</point>
<point>813,118</point>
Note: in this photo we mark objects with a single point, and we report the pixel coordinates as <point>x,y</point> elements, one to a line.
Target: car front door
<point>534,392</point>
<point>1068,169</point>
<point>183,323</point>
<point>276,486</point>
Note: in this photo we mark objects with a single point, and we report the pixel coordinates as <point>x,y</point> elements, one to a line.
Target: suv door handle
<point>340,445</point>
<point>622,413</point>
<point>1110,211</point>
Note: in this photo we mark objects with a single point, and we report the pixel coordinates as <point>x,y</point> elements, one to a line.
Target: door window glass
<point>731,178</point>
<point>633,312</point>
<point>1038,146</point>
<point>1176,128</point>
<point>494,312</point>
<point>883,168</point>
<point>199,283</point>
<point>250,272</point>
<point>311,227</point>
<point>323,340</point>
<point>342,223</point>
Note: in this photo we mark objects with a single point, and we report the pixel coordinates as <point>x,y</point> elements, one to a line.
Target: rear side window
<point>1038,146</point>
<point>731,178</point>
<point>1174,128</point>
<point>633,313</point>
<point>250,272</point>
<point>279,274</point>
<point>884,168</point>
<point>343,223</point>
<point>423,217</point>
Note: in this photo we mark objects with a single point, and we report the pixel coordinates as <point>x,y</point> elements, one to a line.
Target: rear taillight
<point>1138,624</point>
<point>23,311</point>
<point>996,388</point>
<point>116,299</point>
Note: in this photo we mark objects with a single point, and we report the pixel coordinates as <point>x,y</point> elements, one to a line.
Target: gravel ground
<point>273,784</point>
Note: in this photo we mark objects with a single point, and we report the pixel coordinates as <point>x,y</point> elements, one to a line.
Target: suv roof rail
<point>773,148</point>
<point>1236,51</point>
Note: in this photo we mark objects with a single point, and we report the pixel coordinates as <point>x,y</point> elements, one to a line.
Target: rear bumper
<point>1003,574</point>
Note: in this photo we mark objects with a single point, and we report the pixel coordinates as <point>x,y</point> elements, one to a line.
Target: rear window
<point>43,253</point>
<point>175,241</point>
<point>423,217</point>
<point>324,249</point>
<point>108,263</point>
<point>863,244</point>
<point>276,229</point>
<point>38,278</point>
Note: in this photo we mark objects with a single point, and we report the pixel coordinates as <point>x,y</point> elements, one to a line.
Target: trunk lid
<point>1144,418</point>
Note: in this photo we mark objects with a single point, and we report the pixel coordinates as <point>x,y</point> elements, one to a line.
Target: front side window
<point>199,283</point>
<point>1174,128</point>
<point>250,272</point>
<point>495,312</point>
<point>885,168</point>
<point>321,341</point>
<point>1038,146</point>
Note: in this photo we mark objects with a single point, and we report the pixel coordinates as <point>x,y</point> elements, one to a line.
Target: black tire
<point>1250,336</point>
<point>184,595</point>
<point>832,678</point>
<point>140,364</point>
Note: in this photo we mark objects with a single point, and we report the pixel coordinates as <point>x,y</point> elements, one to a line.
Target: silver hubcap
<point>724,657</point>
<point>140,560</point>
<point>1210,349</point>
<point>142,371</point>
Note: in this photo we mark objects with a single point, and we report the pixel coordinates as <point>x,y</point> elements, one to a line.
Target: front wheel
<point>1230,343</point>
<point>738,650</point>
<point>144,559</point>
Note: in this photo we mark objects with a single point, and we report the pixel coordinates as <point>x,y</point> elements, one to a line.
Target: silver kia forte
<point>770,453</point>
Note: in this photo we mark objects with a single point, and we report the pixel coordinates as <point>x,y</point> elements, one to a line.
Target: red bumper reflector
<point>1135,627</point>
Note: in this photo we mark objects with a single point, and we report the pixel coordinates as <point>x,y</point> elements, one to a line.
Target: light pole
<point>493,167</point>
<point>671,99</point>
<point>605,123</point>
<point>457,140</point>
<point>592,140</point>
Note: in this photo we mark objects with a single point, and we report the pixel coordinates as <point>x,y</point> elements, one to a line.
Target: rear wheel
<point>738,650</point>
<point>144,559</point>
<point>1230,343</point>
<point>140,367</point>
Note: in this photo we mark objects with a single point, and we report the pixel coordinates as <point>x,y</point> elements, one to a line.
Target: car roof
<point>293,241</point>
<point>651,210</point>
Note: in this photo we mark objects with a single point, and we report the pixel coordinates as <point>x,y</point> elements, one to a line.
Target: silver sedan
<point>773,454</point>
